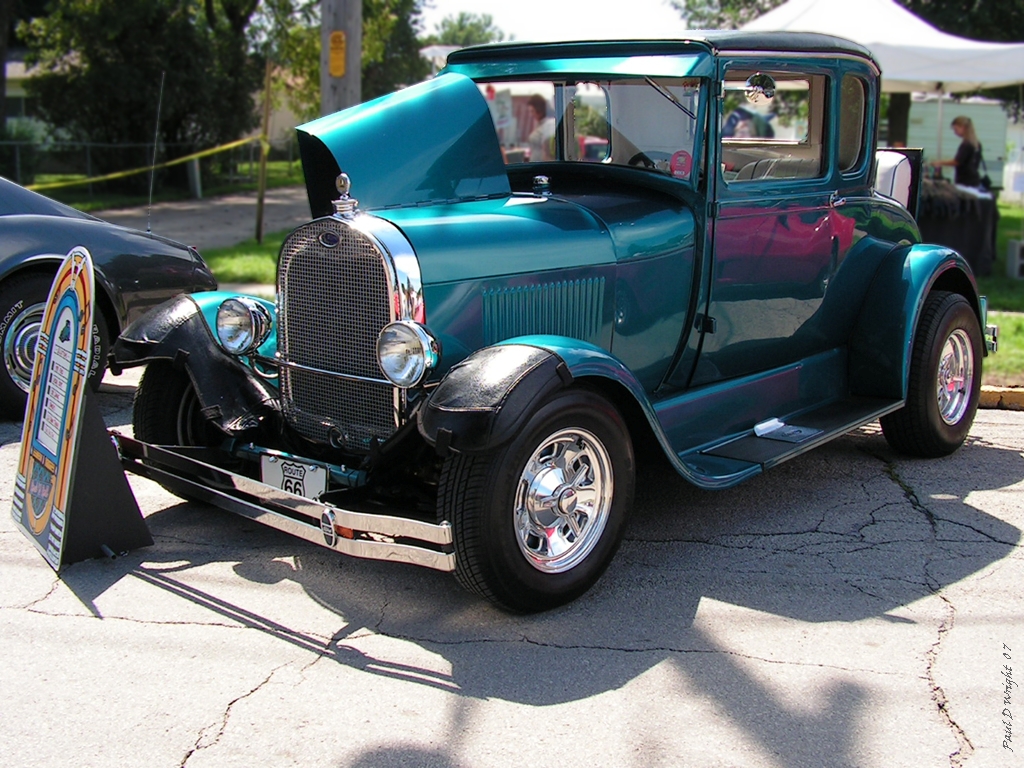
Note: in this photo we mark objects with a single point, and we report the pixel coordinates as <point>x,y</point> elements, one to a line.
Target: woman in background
<point>968,155</point>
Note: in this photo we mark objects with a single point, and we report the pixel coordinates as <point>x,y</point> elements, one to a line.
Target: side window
<point>852,116</point>
<point>773,126</point>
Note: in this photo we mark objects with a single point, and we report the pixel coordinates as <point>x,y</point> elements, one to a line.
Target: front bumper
<point>190,472</point>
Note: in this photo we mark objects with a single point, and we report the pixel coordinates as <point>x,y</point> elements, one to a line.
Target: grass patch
<point>1004,293</point>
<point>248,262</point>
<point>1006,367</point>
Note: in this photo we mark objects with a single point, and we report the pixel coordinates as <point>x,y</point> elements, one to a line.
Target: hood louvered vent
<point>570,308</point>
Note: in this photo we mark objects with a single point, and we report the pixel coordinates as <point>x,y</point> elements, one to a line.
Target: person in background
<point>743,123</point>
<point>542,139</point>
<point>968,155</point>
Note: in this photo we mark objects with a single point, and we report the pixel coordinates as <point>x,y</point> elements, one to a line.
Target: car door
<point>777,231</point>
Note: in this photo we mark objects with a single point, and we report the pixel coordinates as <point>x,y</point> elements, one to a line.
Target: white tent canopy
<point>913,55</point>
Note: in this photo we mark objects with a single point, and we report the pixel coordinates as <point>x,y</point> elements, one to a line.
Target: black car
<point>134,272</point>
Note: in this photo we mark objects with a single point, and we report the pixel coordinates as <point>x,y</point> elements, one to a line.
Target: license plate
<point>299,477</point>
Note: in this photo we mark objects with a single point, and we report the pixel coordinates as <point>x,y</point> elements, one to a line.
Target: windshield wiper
<point>670,96</point>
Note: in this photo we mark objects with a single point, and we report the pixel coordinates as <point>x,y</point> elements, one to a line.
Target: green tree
<point>391,46</point>
<point>466,29</point>
<point>12,12</point>
<point>1001,22</point>
<point>288,33</point>
<point>722,14</point>
<point>102,63</point>
<point>390,50</point>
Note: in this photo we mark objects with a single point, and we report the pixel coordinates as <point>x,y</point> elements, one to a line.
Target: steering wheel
<point>648,160</point>
<point>641,158</point>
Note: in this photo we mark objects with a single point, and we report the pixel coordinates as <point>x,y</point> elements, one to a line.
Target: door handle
<point>834,200</point>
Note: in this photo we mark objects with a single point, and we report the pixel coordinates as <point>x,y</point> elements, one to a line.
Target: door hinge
<point>705,324</point>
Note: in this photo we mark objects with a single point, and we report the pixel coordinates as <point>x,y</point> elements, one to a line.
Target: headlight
<point>242,325</point>
<point>406,353</point>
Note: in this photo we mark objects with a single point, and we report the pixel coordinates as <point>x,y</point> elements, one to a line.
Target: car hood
<point>431,142</point>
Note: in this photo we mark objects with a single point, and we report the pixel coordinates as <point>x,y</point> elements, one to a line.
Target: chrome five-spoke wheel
<point>20,344</point>
<point>956,372</point>
<point>563,501</point>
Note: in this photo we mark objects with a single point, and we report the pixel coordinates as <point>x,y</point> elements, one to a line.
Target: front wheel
<point>945,380</point>
<point>167,411</point>
<point>537,520</point>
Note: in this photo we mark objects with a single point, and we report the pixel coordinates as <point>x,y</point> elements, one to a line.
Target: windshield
<point>639,121</point>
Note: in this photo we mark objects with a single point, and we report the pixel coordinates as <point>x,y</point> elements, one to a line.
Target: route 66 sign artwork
<point>67,460</point>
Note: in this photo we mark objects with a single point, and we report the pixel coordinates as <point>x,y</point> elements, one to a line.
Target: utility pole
<point>341,53</point>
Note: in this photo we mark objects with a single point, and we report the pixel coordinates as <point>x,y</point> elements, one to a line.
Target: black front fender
<point>231,395</point>
<point>484,401</point>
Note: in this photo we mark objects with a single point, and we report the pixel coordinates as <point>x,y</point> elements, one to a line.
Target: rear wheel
<point>944,383</point>
<point>537,521</point>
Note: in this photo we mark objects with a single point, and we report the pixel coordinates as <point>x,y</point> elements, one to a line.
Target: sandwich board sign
<point>71,497</point>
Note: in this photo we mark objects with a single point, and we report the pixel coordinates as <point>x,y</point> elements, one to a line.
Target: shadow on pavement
<point>848,533</point>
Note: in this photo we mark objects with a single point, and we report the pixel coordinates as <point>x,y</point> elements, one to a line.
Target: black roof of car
<point>711,39</point>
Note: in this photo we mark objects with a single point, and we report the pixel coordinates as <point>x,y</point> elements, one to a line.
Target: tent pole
<point>941,98</point>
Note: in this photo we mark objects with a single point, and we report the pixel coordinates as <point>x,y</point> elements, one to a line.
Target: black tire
<point>166,410</point>
<point>499,552</point>
<point>22,304</point>
<point>944,383</point>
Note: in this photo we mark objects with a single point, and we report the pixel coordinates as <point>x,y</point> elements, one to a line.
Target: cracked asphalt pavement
<point>849,608</point>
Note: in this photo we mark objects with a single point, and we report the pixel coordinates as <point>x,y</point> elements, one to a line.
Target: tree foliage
<point>390,49</point>
<point>391,46</point>
<point>12,12</point>
<point>466,29</point>
<point>722,14</point>
<point>1001,22</point>
<point>102,62</point>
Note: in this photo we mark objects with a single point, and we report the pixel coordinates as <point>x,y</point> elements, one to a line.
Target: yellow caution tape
<point>148,168</point>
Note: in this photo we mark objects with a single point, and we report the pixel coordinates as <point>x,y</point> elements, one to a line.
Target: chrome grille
<point>333,302</point>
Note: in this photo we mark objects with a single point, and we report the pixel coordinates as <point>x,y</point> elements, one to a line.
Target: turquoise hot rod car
<point>542,260</point>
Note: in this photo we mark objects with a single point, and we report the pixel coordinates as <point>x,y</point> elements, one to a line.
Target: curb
<point>1006,398</point>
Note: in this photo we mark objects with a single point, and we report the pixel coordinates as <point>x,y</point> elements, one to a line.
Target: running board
<point>739,457</point>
